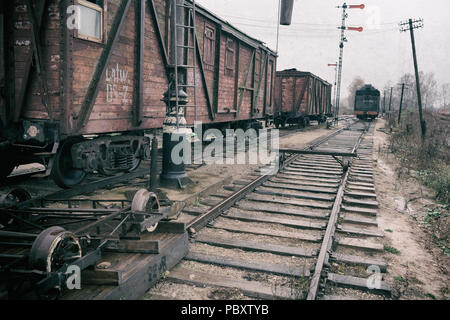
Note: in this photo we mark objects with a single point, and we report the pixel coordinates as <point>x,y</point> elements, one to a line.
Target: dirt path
<point>420,270</point>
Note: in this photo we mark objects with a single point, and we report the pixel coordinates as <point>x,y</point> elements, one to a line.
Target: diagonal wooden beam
<point>160,36</point>
<point>99,73</point>
<point>140,47</point>
<point>37,52</point>
<point>204,82</point>
<point>36,17</point>
<point>302,96</point>
<point>8,26</point>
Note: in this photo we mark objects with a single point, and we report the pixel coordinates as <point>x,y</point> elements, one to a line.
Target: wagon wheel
<point>63,172</point>
<point>53,248</point>
<point>146,201</point>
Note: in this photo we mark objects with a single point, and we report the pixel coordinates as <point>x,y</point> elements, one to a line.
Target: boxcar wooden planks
<point>95,86</point>
<point>299,95</point>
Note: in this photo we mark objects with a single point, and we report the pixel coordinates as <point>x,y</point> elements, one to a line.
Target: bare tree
<point>428,87</point>
<point>445,96</point>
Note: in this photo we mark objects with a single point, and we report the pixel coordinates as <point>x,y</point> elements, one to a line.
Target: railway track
<point>52,207</point>
<point>308,232</point>
<point>34,179</point>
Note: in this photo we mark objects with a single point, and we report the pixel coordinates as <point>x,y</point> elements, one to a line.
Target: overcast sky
<point>379,54</point>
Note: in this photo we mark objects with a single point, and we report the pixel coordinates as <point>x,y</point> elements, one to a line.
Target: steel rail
<point>327,241</point>
<point>202,220</point>
<point>320,153</point>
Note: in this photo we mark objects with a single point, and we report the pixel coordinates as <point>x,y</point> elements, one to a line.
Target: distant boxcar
<point>300,97</point>
<point>78,98</point>
<point>367,102</point>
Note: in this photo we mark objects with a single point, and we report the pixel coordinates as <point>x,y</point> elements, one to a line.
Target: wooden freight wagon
<point>300,97</point>
<point>76,68</point>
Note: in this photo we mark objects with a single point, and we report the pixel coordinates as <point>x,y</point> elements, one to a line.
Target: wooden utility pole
<point>401,102</point>
<point>411,25</point>
<point>384,102</point>
<point>390,104</point>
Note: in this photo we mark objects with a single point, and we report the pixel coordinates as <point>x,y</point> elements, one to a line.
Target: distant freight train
<point>300,97</point>
<point>367,102</point>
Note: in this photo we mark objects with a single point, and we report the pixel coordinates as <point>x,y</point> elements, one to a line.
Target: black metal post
<point>154,164</point>
<point>390,104</point>
<point>341,57</point>
<point>175,126</point>
<point>401,102</point>
<point>416,69</point>
<point>411,25</point>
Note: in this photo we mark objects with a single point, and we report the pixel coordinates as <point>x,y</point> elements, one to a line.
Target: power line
<point>375,31</point>
<point>300,23</point>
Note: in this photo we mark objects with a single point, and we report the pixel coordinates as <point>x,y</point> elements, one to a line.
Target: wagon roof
<point>296,73</point>
<point>229,28</point>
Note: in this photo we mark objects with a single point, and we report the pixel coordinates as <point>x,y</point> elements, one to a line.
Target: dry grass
<point>430,157</point>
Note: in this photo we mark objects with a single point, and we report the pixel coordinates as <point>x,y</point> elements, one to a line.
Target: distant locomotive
<point>367,102</point>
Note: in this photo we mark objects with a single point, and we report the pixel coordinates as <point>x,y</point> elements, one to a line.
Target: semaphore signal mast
<point>343,27</point>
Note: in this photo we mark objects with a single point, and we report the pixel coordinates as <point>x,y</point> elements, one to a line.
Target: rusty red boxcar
<point>82,80</point>
<point>300,97</point>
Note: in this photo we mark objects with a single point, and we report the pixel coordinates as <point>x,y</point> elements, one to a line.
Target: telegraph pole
<point>384,102</point>
<point>341,50</point>
<point>390,104</point>
<point>401,102</point>
<point>411,25</point>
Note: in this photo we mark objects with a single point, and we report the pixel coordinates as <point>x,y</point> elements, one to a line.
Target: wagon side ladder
<point>190,49</point>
